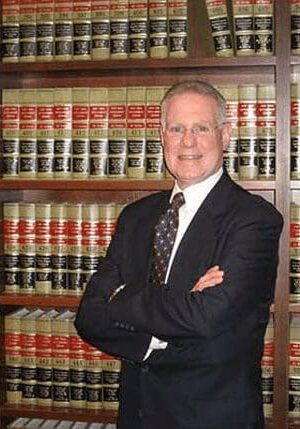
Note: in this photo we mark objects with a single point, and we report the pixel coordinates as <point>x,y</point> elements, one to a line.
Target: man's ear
<point>161,133</point>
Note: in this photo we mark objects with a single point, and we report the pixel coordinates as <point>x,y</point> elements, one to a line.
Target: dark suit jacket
<point>209,375</point>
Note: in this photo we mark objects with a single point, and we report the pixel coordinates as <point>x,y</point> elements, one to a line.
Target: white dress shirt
<point>194,196</point>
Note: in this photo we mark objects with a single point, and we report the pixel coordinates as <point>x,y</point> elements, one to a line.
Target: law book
<point>107,225</point>
<point>155,168</point>
<point>27,249</point>
<point>119,29</point>
<point>43,268</point>
<point>62,133</point>
<point>267,368</point>
<point>61,358</point>
<point>10,133</point>
<point>93,377</point>
<point>80,133</point>
<point>98,133</point>
<point>111,370</point>
<point>243,27</point>
<point>13,363</point>
<point>27,133</point>
<point>136,132</point>
<point>45,133</point>
<point>263,11</point>
<point>59,249</point>
<point>231,153</point>
<point>294,252</point>
<point>28,356</point>
<point>45,30</point>
<point>295,130</point>
<point>100,29</point>
<point>75,256</point>
<point>294,366</point>
<point>18,423</point>
<point>117,132</point>
<point>10,31</point>
<point>44,357</point>
<point>11,219</point>
<point>266,131</point>
<point>138,29</point>
<point>27,11</point>
<point>248,150</point>
<point>178,28</point>
<point>63,30</point>
<point>218,15</point>
<point>77,368</point>
<point>158,29</point>
<point>82,25</point>
<point>295,26</point>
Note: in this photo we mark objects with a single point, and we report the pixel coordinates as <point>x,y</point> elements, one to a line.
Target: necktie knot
<point>178,201</point>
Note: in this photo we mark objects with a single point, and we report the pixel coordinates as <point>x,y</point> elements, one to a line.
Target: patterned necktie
<point>164,238</point>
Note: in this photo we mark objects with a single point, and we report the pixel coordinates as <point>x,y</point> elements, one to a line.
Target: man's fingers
<point>212,277</point>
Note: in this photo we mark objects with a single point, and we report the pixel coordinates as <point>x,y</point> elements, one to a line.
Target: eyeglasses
<point>199,130</point>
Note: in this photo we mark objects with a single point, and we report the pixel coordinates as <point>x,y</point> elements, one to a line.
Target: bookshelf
<point>201,63</point>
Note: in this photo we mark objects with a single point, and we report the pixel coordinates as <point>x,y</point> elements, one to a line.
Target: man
<point>191,347</point>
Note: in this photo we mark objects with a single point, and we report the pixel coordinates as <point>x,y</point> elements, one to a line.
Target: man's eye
<point>176,129</point>
<point>201,129</point>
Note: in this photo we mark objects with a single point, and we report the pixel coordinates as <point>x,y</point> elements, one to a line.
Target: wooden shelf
<point>46,301</point>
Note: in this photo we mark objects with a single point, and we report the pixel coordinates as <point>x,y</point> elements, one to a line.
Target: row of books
<point>48,364</point>
<point>242,27</point>
<point>294,366</point>
<point>114,132</point>
<point>54,248</point>
<point>55,30</point>
<point>28,423</point>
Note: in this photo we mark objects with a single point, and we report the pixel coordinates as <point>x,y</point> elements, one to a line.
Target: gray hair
<point>196,87</point>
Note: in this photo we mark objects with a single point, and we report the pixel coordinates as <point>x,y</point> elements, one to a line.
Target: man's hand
<point>212,277</point>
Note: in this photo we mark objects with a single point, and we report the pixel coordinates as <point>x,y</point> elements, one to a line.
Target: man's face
<point>192,139</point>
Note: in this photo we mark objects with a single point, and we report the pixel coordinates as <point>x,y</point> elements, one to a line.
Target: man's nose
<point>188,137</point>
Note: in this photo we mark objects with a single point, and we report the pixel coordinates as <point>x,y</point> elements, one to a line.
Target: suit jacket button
<point>116,323</point>
<point>145,368</point>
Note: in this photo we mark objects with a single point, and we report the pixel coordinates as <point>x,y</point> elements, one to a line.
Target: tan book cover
<point>267,367</point>
<point>11,219</point>
<point>111,381</point>
<point>138,28</point>
<point>98,133</point>
<point>63,30</point>
<point>59,248</point>
<point>295,130</point>
<point>295,27</point>
<point>43,269</point>
<point>28,356</point>
<point>100,29</point>
<point>10,43</point>
<point>27,133</point>
<point>74,216</point>
<point>243,27</point>
<point>82,25</point>
<point>90,240</point>
<point>218,15</point>
<point>178,28</point>
<point>93,376</point>
<point>45,30</point>
<point>18,423</point>
<point>80,133</point>
<point>77,368</point>
<point>10,133</point>
<point>119,29</point>
<point>263,11</point>
<point>27,11</point>
<point>107,225</point>
<point>62,133</point>
<point>294,252</point>
<point>13,356</point>
<point>45,133</point>
<point>27,255</point>
<point>158,29</point>
<point>294,366</point>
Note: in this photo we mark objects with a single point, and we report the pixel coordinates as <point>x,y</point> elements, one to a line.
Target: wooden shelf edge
<point>60,413</point>
<point>47,301</point>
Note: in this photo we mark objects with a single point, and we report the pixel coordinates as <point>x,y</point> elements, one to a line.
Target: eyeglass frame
<point>197,134</point>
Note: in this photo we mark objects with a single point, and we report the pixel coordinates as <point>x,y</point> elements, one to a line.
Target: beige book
<point>27,255</point>
<point>45,30</point>
<point>100,29</point>
<point>263,11</point>
<point>82,16</point>
<point>77,368</point>
<point>158,29</point>
<point>62,133</point>
<point>119,45</point>
<point>27,12</point>
<point>10,44</point>
<point>11,221</point>
<point>63,30</point>
<point>138,29</point>
<point>178,28</point>
<point>111,382</point>
<point>294,366</point>
<point>74,215</point>
<point>93,376</point>
<point>43,248</point>
<point>267,367</point>
<point>295,27</point>
<point>18,423</point>
<point>80,133</point>
<point>10,133</point>
<point>243,26</point>
<point>27,134</point>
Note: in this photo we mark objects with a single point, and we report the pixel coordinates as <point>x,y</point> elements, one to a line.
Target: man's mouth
<point>195,157</point>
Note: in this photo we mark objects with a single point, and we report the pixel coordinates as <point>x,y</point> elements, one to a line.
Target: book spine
<point>107,225</point>
<point>27,30</point>
<point>248,151</point>
<point>100,29</point>
<point>45,133</point>
<point>10,44</point>
<point>295,27</point>
<point>93,376</point>
<point>267,367</point>
<point>90,241</point>
<point>294,252</point>
<point>136,132</point>
<point>294,366</point>
<point>45,30</point>
<point>43,248</point>
<point>27,256</point>
<point>266,131</point>
<point>80,133</point>
<point>117,141</point>
<point>218,16</point>
<point>243,25</point>
<point>82,23</point>
<point>231,153</point>
<point>295,131</point>
<point>119,29</point>
<point>178,28</point>
<point>75,256</point>
<point>77,369</point>
<point>28,123</point>
<point>62,132</point>
<point>111,368</point>
<point>155,168</point>
<point>98,133</point>
<point>59,248</point>
<point>63,30</point>
<point>158,29</point>
<point>138,28</point>
<point>10,133</point>
<point>11,222</point>
<point>263,11</point>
